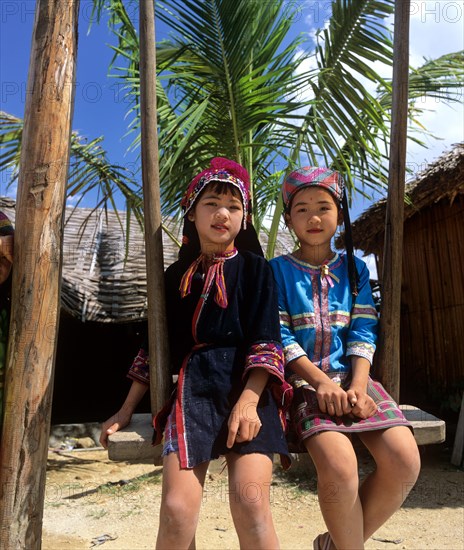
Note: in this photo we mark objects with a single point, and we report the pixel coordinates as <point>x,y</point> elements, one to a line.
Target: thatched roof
<point>99,282</point>
<point>442,179</point>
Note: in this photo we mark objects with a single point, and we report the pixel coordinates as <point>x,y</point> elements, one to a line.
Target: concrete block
<point>428,429</point>
<point>133,443</point>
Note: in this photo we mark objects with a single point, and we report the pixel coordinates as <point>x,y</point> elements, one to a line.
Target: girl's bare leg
<point>398,463</point>
<point>249,498</point>
<point>338,484</point>
<point>180,504</point>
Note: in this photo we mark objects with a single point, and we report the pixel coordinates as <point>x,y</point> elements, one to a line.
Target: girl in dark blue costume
<point>224,336</point>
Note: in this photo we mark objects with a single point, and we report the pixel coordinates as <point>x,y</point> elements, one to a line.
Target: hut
<point>103,309</point>
<point>432,293</point>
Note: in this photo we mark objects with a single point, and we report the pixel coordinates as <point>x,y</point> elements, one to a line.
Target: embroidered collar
<point>303,263</point>
<point>325,270</point>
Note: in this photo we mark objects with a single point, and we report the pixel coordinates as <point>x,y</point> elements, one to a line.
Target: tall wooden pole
<point>157,330</point>
<point>37,273</point>
<point>388,352</point>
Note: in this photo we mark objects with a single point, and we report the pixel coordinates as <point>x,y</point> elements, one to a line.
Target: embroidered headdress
<point>221,170</point>
<point>311,176</point>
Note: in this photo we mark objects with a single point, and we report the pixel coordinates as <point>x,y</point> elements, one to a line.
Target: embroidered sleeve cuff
<point>293,351</point>
<point>139,370</point>
<point>267,355</point>
<point>361,349</point>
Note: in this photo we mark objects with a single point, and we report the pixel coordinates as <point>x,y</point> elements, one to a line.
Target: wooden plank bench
<point>133,443</point>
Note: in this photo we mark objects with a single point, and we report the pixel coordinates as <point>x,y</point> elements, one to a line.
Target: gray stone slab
<point>428,429</point>
<point>133,443</point>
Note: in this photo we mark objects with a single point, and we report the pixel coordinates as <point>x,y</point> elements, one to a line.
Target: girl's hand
<point>362,405</point>
<point>244,423</point>
<point>332,399</point>
<point>118,421</point>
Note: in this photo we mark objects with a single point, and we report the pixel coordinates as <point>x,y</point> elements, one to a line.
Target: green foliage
<point>231,82</point>
<point>89,168</point>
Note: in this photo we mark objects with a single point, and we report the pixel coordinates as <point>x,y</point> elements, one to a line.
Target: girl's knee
<point>252,518</point>
<point>251,507</point>
<point>338,470</point>
<point>408,461</point>
<point>402,459</point>
<point>178,513</point>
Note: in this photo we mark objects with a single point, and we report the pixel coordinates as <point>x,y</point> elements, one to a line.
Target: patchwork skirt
<point>306,419</point>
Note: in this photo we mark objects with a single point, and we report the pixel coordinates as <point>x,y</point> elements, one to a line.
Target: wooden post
<point>37,273</point>
<point>157,329</point>
<point>387,356</point>
<point>457,457</point>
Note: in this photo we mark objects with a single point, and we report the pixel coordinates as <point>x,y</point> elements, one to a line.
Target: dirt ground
<point>91,502</point>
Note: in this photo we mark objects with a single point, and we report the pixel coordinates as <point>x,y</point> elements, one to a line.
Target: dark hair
<point>221,188</point>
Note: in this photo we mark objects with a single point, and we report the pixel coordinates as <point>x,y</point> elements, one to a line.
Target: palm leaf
<point>11,131</point>
<point>89,168</point>
<point>228,86</point>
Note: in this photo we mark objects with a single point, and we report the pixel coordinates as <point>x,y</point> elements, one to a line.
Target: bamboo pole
<point>157,330</point>
<point>388,352</point>
<point>37,273</point>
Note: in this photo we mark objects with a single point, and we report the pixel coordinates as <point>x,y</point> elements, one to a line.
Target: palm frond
<point>11,131</point>
<point>231,83</point>
<point>89,168</point>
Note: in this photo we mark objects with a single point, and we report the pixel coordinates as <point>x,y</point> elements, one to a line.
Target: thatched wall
<point>432,296</point>
<point>104,280</point>
<point>443,179</point>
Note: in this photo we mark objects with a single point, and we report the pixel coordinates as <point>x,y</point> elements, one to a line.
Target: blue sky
<point>436,29</point>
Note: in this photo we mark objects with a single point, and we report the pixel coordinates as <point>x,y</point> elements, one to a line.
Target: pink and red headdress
<point>220,170</point>
<point>227,171</point>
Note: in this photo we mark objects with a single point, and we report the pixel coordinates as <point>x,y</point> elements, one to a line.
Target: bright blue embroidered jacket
<point>317,316</point>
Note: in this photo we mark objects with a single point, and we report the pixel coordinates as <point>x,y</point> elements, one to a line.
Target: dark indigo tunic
<point>213,349</point>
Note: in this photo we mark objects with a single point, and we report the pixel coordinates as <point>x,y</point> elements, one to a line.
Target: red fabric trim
<point>317,321</point>
<point>183,450</point>
<point>326,331</point>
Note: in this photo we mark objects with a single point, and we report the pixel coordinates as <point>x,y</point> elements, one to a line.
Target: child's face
<point>218,219</point>
<point>6,257</point>
<point>314,216</point>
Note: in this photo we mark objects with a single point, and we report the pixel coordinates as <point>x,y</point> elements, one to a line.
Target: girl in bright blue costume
<point>329,330</point>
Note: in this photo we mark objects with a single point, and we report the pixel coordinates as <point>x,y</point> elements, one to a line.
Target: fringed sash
<point>215,273</point>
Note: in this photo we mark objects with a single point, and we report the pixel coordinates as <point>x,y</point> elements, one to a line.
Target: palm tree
<point>228,86</point>
<point>89,167</point>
